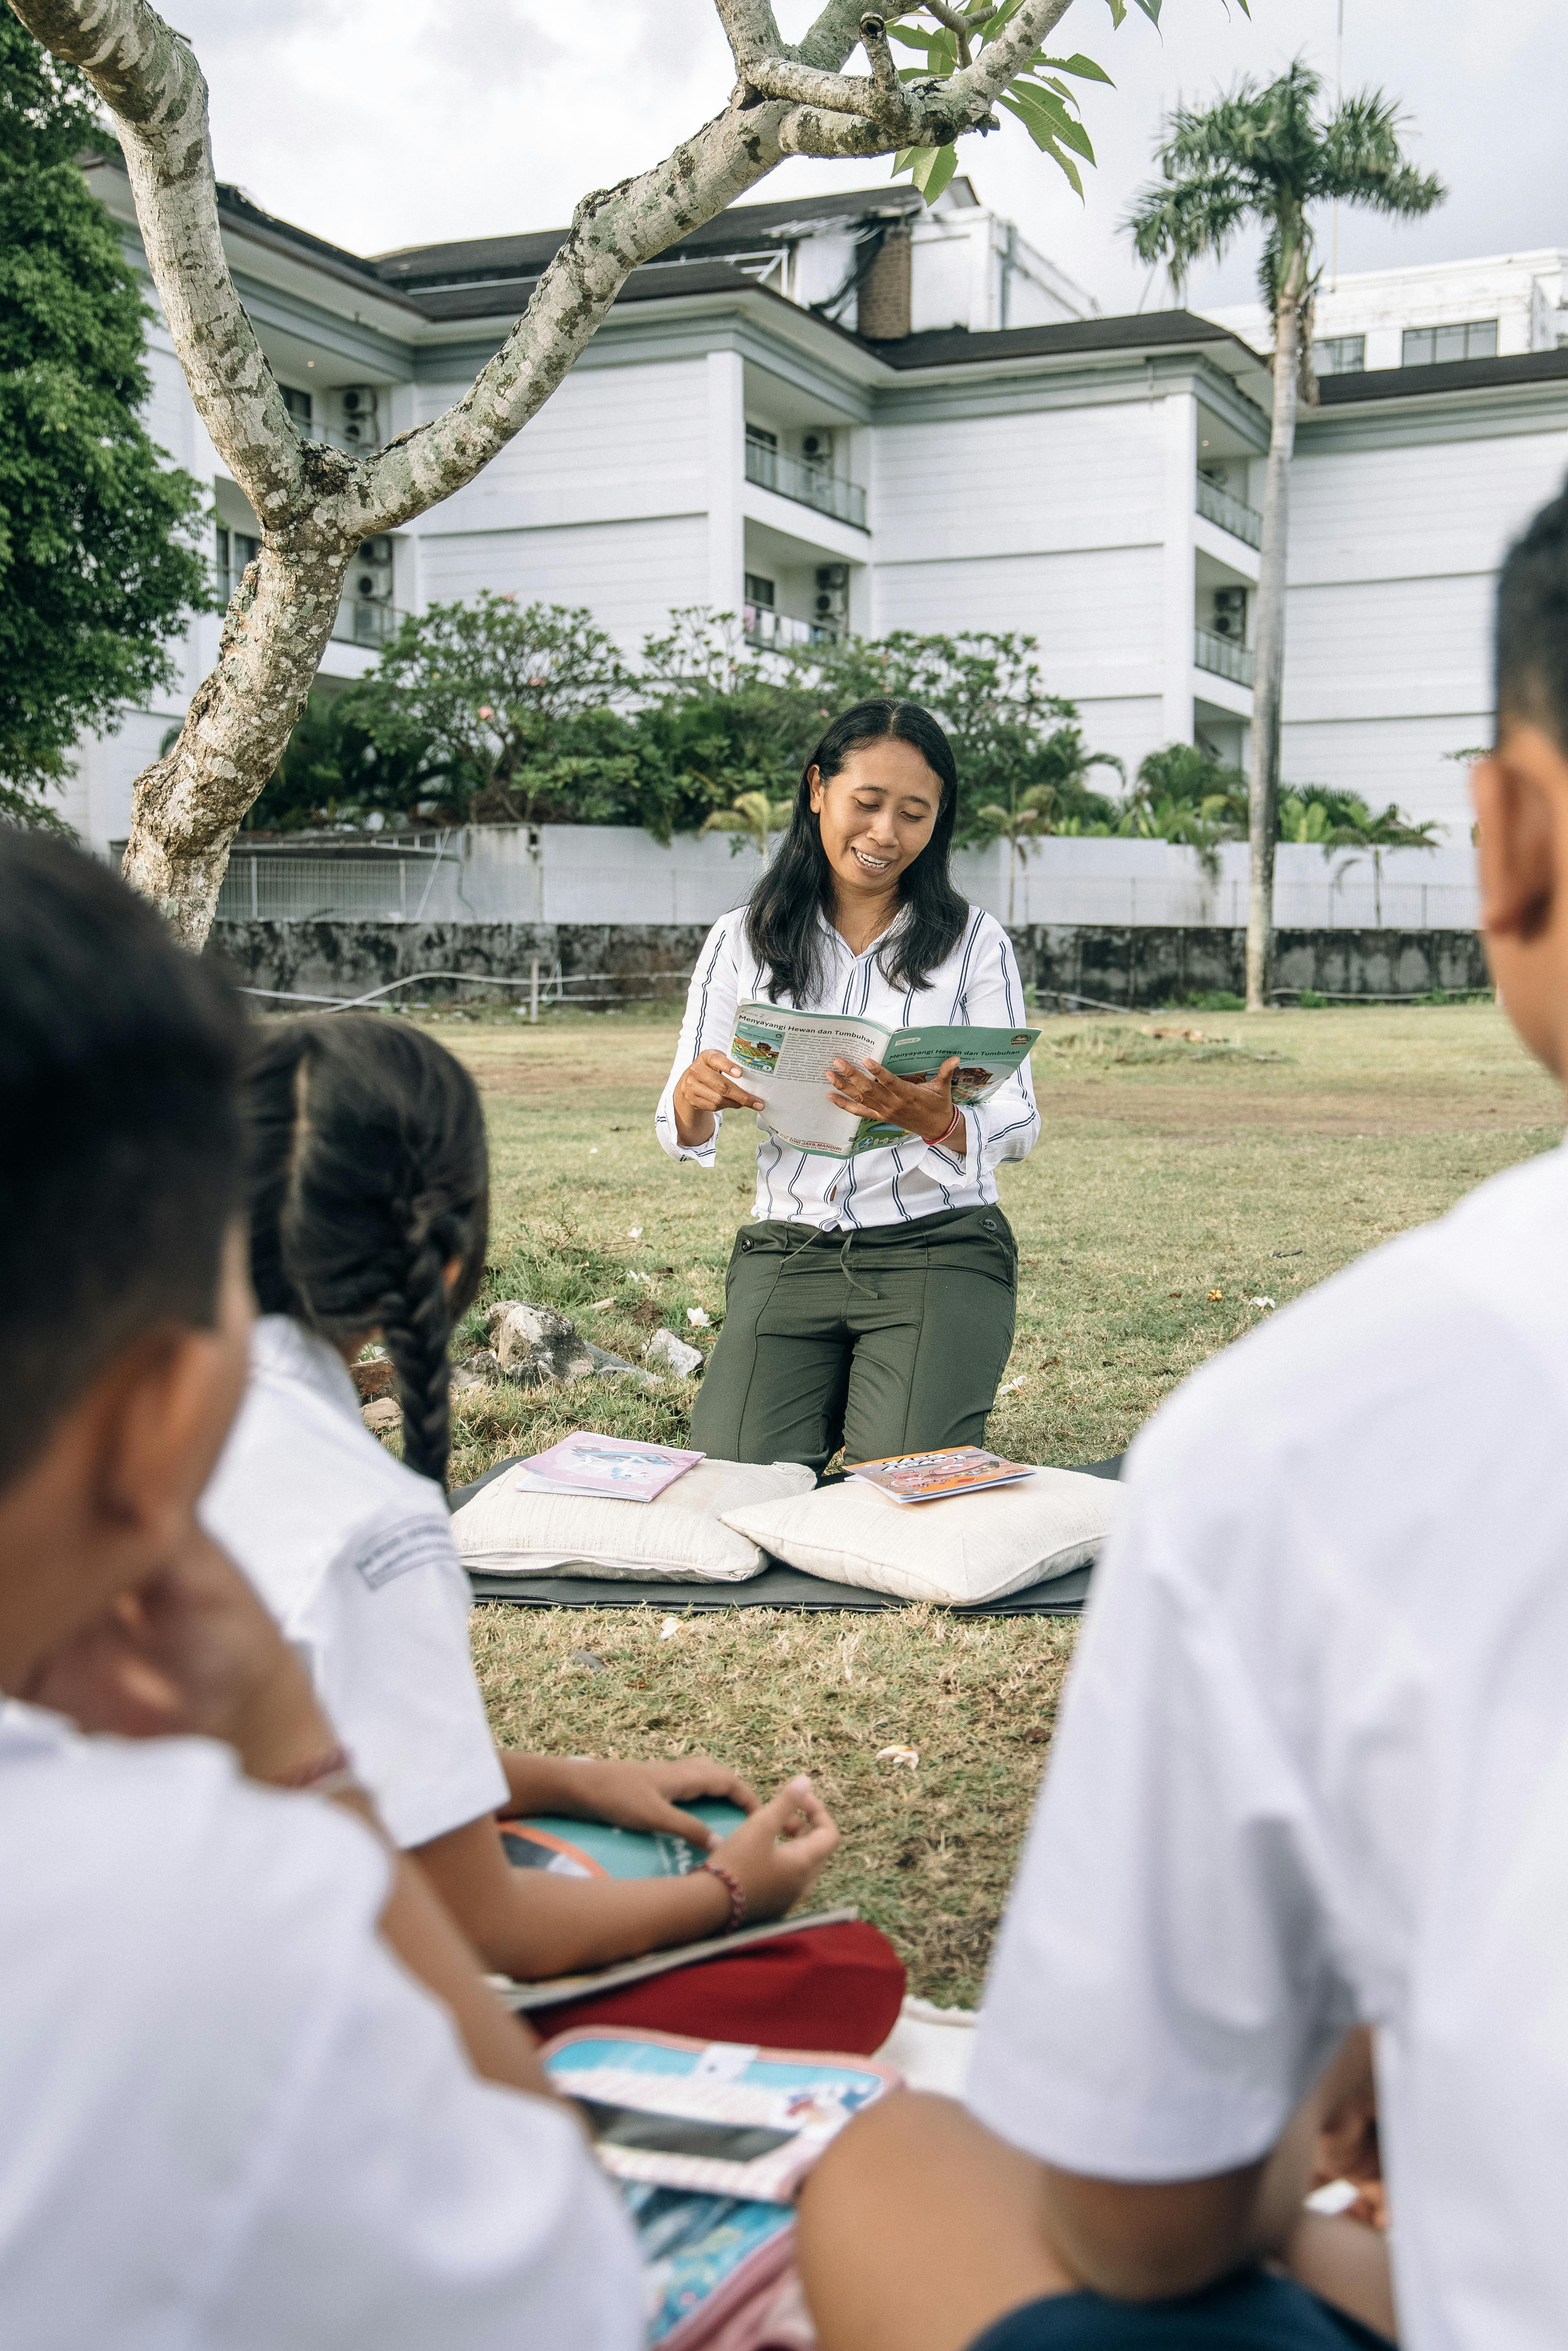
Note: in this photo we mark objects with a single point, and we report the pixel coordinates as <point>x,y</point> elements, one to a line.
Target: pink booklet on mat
<point>614,1468</point>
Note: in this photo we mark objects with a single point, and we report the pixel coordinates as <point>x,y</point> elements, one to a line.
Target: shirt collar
<point>284,1349</point>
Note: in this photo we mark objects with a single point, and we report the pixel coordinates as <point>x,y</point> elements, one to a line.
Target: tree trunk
<point>1268,641</point>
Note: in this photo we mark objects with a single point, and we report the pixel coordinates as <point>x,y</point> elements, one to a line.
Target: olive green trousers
<point>886,1341</point>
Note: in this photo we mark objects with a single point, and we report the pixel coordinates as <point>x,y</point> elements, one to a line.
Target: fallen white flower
<point>897,1755</point>
<point>1259,1301</point>
<point>669,1628</point>
<point>1013,1383</point>
<point>634,1232</point>
<point>698,1316</point>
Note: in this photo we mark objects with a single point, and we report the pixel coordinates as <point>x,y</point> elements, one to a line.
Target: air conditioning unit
<point>833,593</point>
<point>1230,614</point>
<point>816,448</point>
<point>357,424</point>
<point>370,576</point>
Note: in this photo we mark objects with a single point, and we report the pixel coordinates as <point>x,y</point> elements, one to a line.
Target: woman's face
<point>876,815</point>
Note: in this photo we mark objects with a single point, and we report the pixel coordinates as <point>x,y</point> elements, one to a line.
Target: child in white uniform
<point>369,1194</point>
<point>255,2093</point>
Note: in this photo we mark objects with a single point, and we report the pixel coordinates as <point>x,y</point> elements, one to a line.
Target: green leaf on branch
<point>1084,68</point>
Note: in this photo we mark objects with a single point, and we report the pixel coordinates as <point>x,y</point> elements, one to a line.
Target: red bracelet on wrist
<point>736,1894</point>
<point>953,1124</point>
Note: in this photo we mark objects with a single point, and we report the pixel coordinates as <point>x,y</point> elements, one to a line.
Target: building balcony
<point>361,620</point>
<point>808,485</point>
<point>775,633</point>
<point>1242,521</point>
<point>1222,657</point>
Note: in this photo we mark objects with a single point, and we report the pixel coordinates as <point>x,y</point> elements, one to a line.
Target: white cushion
<point>965,1548</point>
<point>680,1537</point>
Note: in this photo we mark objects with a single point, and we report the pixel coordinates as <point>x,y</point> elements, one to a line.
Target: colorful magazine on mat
<point>716,2118</point>
<point>786,1055</point>
<point>930,1476</point>
<point>611,1469</point>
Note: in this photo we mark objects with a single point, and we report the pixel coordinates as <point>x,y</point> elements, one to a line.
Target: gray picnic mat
<point>777,1586</point>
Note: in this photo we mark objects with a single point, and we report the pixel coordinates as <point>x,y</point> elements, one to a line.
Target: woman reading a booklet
<point>872,1302</point>
<point>369,1187</point>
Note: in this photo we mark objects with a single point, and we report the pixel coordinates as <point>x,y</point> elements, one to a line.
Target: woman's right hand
<point>706,1088</point>
<point>773,1874</point>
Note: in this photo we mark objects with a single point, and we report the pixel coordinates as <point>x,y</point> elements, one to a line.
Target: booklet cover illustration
<point>613,1469</point>
<point>931,1476</point>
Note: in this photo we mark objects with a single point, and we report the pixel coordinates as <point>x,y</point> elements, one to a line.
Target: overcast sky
<point>381,123</point>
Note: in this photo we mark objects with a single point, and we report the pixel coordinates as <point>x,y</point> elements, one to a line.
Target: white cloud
<point>407,122</point>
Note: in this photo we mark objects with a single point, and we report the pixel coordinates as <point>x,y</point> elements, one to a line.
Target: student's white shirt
<point>978,985</point>
<point>232,2121</point>
<point>1313,1769</point>
<point>353,1554</point>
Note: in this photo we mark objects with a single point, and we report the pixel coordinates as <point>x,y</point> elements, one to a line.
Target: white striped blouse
<point>978,985</point>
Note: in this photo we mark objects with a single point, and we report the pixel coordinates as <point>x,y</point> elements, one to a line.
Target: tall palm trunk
<point>1269,641</point>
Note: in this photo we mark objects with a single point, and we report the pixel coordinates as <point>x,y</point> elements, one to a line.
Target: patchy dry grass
<point>1253,1159</point>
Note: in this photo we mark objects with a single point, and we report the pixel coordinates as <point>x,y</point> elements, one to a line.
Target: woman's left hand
<point>632,1795</point>
<point>924,1108</point>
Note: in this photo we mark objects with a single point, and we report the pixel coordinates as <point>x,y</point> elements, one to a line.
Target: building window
<point>759,591</point>
<point>297,404</point>
<point>233,550</point>
<point>1339,355</point>
<point>1427,346</point>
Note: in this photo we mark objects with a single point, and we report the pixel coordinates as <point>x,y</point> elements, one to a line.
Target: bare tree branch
<point>751,29</point>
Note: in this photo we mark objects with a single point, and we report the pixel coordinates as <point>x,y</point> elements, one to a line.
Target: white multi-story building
<point>848,413</point>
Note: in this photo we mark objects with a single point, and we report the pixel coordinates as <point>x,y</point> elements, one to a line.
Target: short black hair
<point>120,1135</point>
<point>368,1175</point>
<point>1532,627</point>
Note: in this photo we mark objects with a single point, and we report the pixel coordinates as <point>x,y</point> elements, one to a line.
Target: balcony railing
<point>1218,506</point>
<point>1222,657</point>
<point>363,621</point>
<point>774,633</point>
<point>808,485</point>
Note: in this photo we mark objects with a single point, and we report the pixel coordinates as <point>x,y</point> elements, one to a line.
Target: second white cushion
<point>682,1536</point>
<point>967,1549</point>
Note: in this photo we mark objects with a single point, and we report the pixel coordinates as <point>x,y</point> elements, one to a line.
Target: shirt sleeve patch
<point>396,1547</point>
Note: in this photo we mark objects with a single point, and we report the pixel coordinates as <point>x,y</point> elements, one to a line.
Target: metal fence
<point>407,887</point>
<point>1233,514</point>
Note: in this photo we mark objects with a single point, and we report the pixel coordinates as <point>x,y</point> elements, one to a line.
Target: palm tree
<point>1340,820</point>
<point>1026,819</point>
<point>754,814</point>
<point>1262,154</point>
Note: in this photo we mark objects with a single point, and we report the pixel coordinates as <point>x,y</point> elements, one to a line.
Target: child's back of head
<point>368,1187</point>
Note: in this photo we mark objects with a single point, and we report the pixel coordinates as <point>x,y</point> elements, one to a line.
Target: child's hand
<point>646,1795</point>
<point>193,1651</point>
<point>773,1876</point>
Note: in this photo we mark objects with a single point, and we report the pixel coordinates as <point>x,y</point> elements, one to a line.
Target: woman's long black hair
<point>781,917</point>
<point>367,1173</point>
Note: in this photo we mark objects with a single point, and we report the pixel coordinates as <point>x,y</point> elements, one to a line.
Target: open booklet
<point>787,1057</point>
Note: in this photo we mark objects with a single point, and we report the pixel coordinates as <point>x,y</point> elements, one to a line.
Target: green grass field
<point>1180,1177</point>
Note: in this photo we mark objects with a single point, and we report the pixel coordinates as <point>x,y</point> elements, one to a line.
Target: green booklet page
<point>788,1056</point>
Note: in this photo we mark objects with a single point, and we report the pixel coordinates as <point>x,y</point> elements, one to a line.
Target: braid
<point>368,1180</point>
<point>415,1329</point>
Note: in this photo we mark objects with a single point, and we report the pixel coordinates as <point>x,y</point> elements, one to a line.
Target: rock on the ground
<point>616,1367</point>
<point>376,1378</point>
<point>383,1414</point>
<point>672,1354</point>
<point>479,1370</point>
<point>535,1345</point>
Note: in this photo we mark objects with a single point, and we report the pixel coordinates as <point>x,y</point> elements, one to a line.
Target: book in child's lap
<point>788,1056</point>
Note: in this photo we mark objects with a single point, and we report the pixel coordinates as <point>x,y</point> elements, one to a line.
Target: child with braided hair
<point>368,1182</point>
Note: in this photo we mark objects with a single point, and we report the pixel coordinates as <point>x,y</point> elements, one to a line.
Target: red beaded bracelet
<point>736,1894</point>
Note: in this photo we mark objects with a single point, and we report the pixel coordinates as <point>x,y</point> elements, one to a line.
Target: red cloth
<point>838,1988</point>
